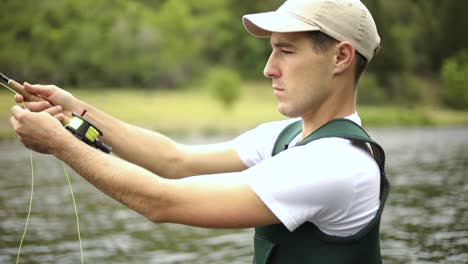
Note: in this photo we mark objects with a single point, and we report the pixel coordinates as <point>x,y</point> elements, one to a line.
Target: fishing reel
<point>87,132</point>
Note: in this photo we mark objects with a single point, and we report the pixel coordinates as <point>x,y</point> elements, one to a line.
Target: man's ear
<point>344,57</point>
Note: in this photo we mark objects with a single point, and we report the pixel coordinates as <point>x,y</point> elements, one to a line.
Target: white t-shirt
<point>328,182</point>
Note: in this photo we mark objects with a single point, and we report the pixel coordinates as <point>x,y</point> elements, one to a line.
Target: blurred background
<point>190,70</point>
<point>173,44</point>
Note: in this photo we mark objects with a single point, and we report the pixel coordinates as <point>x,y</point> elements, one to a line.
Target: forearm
<point>148,149</point>
<point>158,153</point>
<point>127,183</point>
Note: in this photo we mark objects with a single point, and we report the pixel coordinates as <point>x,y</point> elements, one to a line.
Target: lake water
<point>425,220</point>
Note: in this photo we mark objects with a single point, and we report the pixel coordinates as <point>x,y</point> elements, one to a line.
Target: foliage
<point>171,43</point>
<point>455,79</point>
<point>225,85</point>
<point>121,43</point>
<point>369,90</point>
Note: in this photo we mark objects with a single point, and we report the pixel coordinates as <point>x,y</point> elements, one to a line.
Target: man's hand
<point>40,132</point>
<point>53,96</point>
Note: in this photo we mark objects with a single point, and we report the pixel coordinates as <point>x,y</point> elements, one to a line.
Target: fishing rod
<point>78,125</point>
<point>20,89</point>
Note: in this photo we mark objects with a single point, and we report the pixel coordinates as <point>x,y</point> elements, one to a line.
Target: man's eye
<point>286,51</point>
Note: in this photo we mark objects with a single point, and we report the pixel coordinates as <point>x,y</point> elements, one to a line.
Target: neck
<point>340,103</point>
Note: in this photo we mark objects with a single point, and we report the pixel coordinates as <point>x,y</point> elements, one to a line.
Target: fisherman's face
<point>301,77</point>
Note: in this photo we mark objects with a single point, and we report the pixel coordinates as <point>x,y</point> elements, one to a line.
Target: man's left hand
<point>40,132</point>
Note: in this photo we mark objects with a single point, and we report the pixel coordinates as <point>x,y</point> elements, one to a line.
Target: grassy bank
<point>194,111</point>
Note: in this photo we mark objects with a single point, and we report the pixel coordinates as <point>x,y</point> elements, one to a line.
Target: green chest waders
<point>307,244</point>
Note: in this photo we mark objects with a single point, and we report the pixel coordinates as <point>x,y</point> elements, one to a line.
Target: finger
<point>54,110</point>
<point>14,122</point>
<point>60,117</point>
<point>17,112</point>
<point>38,106</point>
<point>39,89</point>
<point>19,98</point>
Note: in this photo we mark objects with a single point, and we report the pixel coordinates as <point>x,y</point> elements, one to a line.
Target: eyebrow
<point>282,44</point>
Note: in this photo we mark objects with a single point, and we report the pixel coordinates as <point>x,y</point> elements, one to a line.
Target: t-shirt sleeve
<point>305,183</point>
<point>256,145</point>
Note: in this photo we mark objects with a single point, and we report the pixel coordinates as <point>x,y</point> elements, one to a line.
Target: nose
<point>271,69</point>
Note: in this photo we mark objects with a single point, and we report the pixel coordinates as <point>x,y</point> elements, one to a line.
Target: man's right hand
<point>53,96</point>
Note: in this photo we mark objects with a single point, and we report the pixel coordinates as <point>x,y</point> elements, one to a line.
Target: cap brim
<point>263,24</point>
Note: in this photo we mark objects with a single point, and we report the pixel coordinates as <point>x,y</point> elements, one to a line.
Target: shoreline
<point>214,130</point>
<point>189,112</point>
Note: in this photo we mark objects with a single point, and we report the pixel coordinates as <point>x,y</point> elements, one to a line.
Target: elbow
<point>174,165</point>
<point>156,208</point>
<point>155,217</point>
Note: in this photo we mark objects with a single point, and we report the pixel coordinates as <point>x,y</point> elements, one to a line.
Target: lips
<point>278,91</point>
<point>277,87</point>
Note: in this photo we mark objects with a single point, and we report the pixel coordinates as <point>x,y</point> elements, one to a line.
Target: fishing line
<point>11,90</point>
<point>31,200</point>
<point>29,210</point>
<point>76,211</point>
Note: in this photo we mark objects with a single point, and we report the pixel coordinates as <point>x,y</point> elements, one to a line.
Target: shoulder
<point>331,182</point>
<point>336,162</point>
<point>302,184</point>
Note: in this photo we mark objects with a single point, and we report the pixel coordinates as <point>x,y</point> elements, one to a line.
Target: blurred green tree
<point>455,79</point>
<point>225,85</point>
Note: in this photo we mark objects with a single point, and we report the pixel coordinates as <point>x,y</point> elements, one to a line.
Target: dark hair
<point>321,42</point>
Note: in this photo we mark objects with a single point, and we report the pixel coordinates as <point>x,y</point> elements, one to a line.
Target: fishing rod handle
<point>29,97</point>
<point>20,89</point>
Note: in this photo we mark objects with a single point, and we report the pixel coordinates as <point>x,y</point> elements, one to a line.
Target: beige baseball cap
<point>343,20</point>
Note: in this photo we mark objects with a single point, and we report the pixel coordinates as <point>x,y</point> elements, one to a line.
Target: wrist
<point>64,143</point>
<point>78,106</point>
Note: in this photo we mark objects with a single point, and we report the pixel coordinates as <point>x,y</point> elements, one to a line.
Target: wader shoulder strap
<point>285,137</point>
<point>340,128</point>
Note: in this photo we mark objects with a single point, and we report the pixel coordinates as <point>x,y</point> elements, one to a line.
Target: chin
<point>284,110</point>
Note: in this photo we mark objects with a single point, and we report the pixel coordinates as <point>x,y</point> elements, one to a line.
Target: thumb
<point>17,111</point>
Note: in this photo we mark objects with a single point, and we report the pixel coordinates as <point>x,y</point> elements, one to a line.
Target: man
<point>312,203</point>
